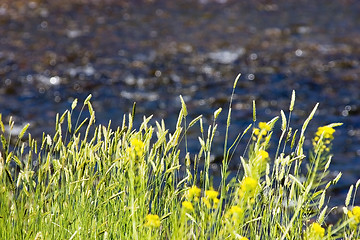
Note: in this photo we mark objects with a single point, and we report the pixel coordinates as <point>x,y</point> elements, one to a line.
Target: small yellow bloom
<point>211,197</point>
<point>261,131</point>
<point>244,238</point>
<point>152,220</point>
<point>316,230</point>
<point>256,132</point>
<point>206,202</point>
<point>327,136</point>
<point>263,154</point>
<point>235,213</point>
<point>236,210</point>
<point>211,194</point>
<point>264,126</point>
<point>249,184</point>
<point>194,193</point>
<point>138,146</point>
<point>326,131</point>
<point>355,213</point>
<point>188,206</point>
<point>248,187</point>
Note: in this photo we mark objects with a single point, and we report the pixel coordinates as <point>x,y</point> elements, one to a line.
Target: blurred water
<point>152,51</point>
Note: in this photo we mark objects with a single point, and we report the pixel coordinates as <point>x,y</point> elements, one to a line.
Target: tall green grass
<point>91,181</point>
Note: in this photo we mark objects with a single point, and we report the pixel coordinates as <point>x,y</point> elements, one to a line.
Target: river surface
<point>153,51</point>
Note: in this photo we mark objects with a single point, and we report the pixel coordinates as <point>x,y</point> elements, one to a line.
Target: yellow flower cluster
<point>355,214</point>
<point>152,220</point>
<point>234,214</point>
<point>248,187</point>
<point>188,206</point>
<point>138,146</point>
<point>263,154</point>
<point>316,231</point>
<point>263,130</point>
<point>327,136</point>
<point>212,194</point>
<point>211,200</point>
<point>327,131</point>
<point>194,193</point>
<point>136,149</point>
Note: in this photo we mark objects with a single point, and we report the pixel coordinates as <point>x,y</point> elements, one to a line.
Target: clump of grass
<point>93,182</point>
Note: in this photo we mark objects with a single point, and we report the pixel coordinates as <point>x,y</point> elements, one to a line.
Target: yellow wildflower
<point>263,130</point>
<point>244,238</point>
<point>211,197</point>
<point>248,187</point>
<point>152,220</point>
<point>316,231</point>
<point>194,193</point>
<point>249,184</point>
<point>235,213</point>
<point>355,213</point>
<point>206,202</point>
<point>263,154</point>
<point>326,131</point>
<point>188,206</point>
<point>327,135</point>
<point>211,194</point>
<point>138,146</point>
<point>256,132</point>
<point>236,210</point>
<point>264,126</point>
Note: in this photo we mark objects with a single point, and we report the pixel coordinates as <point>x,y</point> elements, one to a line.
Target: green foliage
<point>94,182</point>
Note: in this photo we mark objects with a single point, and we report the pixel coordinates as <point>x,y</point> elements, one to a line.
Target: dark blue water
<point>153,51</point>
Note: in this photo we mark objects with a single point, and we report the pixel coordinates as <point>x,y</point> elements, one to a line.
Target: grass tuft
<point>90,181</point>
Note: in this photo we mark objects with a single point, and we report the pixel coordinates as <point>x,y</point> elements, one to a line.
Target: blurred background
<point>52,52</point>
